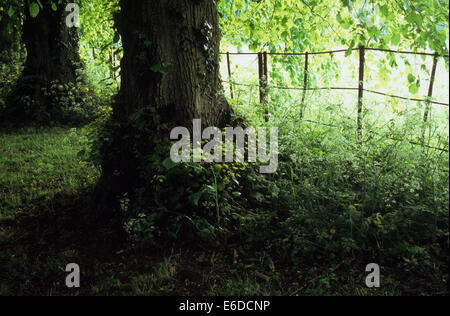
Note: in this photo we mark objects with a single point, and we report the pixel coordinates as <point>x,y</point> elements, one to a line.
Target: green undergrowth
<point>225,229</point>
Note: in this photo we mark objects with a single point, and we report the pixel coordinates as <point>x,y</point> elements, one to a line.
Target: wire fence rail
<point>264,80</point>
<point>342,51</point>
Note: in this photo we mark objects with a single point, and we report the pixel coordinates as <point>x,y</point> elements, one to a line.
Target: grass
<point>38,164</point>
<point>48,220</point>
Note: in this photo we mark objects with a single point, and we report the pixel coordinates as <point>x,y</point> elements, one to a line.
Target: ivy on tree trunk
<point>169,76</point>
<point>171,61</point>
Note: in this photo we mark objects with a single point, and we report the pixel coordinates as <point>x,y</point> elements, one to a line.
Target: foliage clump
<point>331,200</point>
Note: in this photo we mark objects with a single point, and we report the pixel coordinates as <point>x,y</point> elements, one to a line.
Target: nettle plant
<point>203,201</point>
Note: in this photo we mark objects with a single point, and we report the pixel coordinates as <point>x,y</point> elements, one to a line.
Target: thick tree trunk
<point>171,61</point>
<point>169,75</point>
<point>52,58</point>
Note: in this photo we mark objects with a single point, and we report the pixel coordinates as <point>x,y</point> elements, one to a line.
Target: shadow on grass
<point>38,243</point>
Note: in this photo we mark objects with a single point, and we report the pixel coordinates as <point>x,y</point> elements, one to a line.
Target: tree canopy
<point>293,25</point>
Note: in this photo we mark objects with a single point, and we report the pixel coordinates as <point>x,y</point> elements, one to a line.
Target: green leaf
<point>395,39</point>
<point>157,68</point>
<point>257,196</point>
<point>169,164</point>
<point>384,9</point>
<point>195,198</point>
<point>11,11</point>
<point>54,7</point>
<point>411,78</point>
<point>34,9</point>
<point>350,49</point>
<point>413,89</point>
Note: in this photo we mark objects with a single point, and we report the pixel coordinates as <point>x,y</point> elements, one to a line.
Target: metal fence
<point>264,82</point>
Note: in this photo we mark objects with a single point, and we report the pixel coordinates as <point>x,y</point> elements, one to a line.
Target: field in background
<point>379,111</point>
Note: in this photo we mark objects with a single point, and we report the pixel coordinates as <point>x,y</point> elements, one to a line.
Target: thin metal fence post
<point>360,91</point>
<point>262,72</point>
<point>260,75</point>
<point>430,95</point>
<point>305,85</point>
<point>229,75</point>
<point>265,84</point>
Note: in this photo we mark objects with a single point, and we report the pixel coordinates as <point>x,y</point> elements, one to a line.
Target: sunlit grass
<point>37,164</point>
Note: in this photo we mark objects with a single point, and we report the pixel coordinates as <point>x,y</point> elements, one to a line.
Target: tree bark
<point>52,57</point>
<point>169,76</point>
<point>171,61</point>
